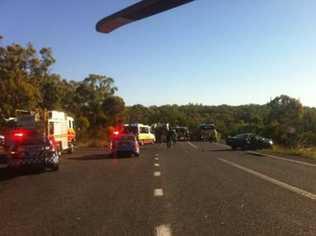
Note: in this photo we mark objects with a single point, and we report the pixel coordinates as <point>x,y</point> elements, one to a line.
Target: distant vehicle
<point>142,132</point>
<point>125,144</point>
<point>183,133</point>
<point>249,141</point>
<point>30,148</point>
<point>208,133</point>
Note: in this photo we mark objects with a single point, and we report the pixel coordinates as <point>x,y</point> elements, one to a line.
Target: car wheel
<point>54,167</point>
<point>52,162</point>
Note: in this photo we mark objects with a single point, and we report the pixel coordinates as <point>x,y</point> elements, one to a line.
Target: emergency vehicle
<point>57,126</point>
<point>61,130</point>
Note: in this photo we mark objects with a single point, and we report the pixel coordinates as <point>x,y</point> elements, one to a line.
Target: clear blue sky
<point>209,51</point>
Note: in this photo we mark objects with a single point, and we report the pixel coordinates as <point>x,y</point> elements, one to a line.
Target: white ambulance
<point>61,130</point>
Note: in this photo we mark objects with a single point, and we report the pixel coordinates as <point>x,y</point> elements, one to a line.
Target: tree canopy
<point>27,83</point>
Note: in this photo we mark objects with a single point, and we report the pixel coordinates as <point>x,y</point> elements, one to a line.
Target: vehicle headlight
<point>270,142</point>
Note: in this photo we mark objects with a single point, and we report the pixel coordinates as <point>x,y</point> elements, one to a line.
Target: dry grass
<point>301,152</point>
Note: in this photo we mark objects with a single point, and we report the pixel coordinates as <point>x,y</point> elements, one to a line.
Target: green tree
<point>284,119</point>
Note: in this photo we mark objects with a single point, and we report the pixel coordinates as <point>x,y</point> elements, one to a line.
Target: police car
<point>125,145</point>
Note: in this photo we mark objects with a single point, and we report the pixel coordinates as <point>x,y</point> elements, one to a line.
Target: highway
<point>191,189</point>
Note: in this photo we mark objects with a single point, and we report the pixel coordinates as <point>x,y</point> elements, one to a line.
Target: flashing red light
<point>19,135</point>
<point>116,133</point>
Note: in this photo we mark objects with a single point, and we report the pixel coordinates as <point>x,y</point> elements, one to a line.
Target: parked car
<point>183,133</point>
<point>125,145</point>
<point>249,141</point>
<point>29,148</point>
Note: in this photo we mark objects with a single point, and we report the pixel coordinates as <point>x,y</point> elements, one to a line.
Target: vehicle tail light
<point>19,135</point>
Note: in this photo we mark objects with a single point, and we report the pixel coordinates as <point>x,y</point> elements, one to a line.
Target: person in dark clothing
<point>171,137</point>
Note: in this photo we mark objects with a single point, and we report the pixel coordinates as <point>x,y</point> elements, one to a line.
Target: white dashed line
<point>156,159</point>
<point>192,145</point>
<point>156,164</point>
<point>158,192</point>
<point>272,180</point>
<point>157,173</point>
<point>163,230</point>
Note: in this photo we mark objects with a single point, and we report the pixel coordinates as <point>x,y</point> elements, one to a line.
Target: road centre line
<point>283,159</point>
<point>163,230</point>
<point>193,145</point>
<point>289,187</point>
<point>157,173</point>
<point>156,159</point>
<point>158,192</point>
<point>156,164</point>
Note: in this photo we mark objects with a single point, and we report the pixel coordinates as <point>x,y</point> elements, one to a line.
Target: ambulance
<point>61,130</point>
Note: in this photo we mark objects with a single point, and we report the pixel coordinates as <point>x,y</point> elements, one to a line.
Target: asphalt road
<point>190,189</point>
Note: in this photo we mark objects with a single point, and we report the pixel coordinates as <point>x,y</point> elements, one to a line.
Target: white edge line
<point>192,145</point>
<point>271,180</point>
<point>163,230</point>
<point>283,159</point>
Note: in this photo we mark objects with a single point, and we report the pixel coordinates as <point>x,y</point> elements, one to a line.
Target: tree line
<point>284,119</point>
<point>26,83</point>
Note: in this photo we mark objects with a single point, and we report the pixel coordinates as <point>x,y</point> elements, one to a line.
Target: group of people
<point>166,134</point>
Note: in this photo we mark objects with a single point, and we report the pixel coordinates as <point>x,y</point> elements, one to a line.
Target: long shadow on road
<point>95,157</point>
<point>7,174</point>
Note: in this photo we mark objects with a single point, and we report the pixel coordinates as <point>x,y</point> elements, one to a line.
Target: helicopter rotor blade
<point>138,11</point>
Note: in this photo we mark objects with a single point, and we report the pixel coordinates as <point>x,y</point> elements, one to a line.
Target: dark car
<point>29,148</point>
<point>249,141</point>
